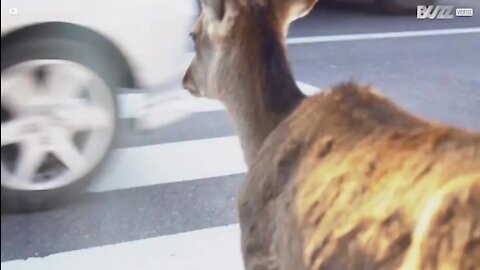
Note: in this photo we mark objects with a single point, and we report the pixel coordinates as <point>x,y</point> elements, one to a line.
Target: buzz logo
<point>435,12</point>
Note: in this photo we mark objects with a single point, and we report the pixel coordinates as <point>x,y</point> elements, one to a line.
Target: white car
<point>62,63</point>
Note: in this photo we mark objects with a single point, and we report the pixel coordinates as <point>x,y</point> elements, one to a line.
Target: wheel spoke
<point>29,161</point>
<point>18,87</point>
<point>50,101</point>
<point>86,117</point>
<point>67,152</point>
<point>65,81</point>
<point>14,131</point>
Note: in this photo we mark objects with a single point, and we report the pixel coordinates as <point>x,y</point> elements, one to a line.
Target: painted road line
<point>170,162</point>
<point>132,105</point>
<point>158,110</point>
<point>167,163</point>
<point>308,89</point>
<point>385,35</point>
<point>215,248</point>
<point>170,107</point>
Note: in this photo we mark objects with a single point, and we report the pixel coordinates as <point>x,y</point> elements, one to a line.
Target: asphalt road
<point>168,196</point>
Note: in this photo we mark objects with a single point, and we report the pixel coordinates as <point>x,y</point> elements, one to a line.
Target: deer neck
<point>260,88</point>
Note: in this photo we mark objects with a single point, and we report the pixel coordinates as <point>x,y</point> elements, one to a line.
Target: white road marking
<point>157,110</point>
<point>165,110</point>
<point>209,249</point>
<point>212,248</point>
<point>170,162</point>
<point>308,89</point>
<point>130,104</point>
<point>367,36</point>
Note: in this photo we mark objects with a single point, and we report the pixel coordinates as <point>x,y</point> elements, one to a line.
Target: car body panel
<point>150,33</point>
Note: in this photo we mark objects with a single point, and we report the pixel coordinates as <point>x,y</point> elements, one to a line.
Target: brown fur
<point>344,179</point>
<point>349,179</point>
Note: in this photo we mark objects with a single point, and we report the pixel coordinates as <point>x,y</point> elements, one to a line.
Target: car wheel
<point>58,113</point>
<point>402,6</point>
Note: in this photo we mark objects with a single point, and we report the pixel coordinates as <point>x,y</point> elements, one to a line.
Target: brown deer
<point>341,180</point>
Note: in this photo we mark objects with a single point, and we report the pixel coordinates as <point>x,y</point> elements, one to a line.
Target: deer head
<point>240,60</point>
<point>227,27</point>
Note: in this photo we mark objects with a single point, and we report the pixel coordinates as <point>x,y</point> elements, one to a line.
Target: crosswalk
<point>209,249</point>
<point>168,203</point>
<point>167,197</point>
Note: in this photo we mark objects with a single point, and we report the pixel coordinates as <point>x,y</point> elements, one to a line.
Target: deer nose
<point>186,80</point>
<point>188,83</point>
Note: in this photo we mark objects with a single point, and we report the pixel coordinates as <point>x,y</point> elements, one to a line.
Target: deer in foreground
<point>341,180</point>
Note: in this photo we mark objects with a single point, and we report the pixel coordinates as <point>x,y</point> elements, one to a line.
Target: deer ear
<point>215,8</point>
<point>290,10</point>
<point>221,15</point>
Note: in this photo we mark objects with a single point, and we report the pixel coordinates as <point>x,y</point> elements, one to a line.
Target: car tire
<point>87,55</point>
<point>401,6</point>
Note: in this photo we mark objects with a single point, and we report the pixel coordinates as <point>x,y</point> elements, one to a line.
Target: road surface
<point>166,199</point>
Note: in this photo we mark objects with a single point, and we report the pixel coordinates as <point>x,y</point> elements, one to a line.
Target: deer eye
<point>193,36</point>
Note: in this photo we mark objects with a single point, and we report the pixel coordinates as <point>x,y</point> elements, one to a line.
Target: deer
<point>344,179</point>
